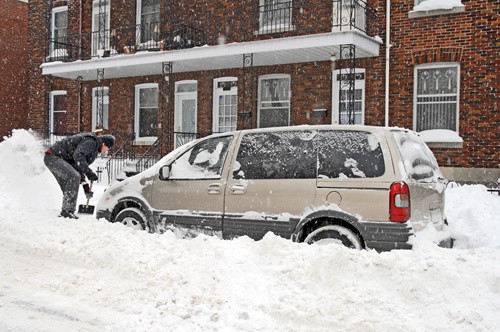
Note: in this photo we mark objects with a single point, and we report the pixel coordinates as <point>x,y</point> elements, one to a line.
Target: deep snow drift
<point>90,275</point>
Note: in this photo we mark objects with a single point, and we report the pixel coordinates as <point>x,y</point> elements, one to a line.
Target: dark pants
<point>68,179</point>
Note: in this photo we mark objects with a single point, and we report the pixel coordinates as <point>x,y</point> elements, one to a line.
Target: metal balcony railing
<point>244,23</point>
<point>124,40</point>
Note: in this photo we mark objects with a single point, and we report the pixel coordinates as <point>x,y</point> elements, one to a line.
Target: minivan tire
<point>132,217</point>
<point>334,234</point>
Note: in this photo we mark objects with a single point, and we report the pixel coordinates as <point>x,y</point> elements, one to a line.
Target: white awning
<point>269,52</point>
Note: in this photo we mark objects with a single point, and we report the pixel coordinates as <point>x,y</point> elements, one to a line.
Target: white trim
<point>415,83</point>
<point>52,94</point>
<point>179,97</point>
<point>273,76</point>
<point>95,29</point>
<point>55,11</point>
<point>139,139</point>
<point>358,84</point>
<point>94,107</point>
<point>215,104</point>
<point>268,52</point>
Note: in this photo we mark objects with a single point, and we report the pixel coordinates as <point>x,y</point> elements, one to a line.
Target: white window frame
<point>274,76</point>
<point>54,52</point>
<point>95,101</point>
<point>457,94</point>
<point>276,27</point>
<point>358,84</point>
<point>144,43</point>
<point>52,95</point>
<point>138,88</point>
<point>96,45</point>
<point>220,92</point>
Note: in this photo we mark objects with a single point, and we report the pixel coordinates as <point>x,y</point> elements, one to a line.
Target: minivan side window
<point>205,160</point>
<point>276,155</point>
<point>418,159</point>
<point>349,154</point>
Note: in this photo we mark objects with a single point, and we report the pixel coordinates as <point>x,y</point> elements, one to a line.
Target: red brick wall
<point>468,38</point>
<point>14,65</point>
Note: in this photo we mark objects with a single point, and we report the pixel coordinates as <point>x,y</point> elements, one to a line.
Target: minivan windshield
<point>419,161</point>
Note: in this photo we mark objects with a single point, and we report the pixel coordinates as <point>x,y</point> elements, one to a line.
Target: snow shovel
<point>87,209</point>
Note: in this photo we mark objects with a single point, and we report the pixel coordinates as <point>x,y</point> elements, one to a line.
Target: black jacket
<point>79,151</point>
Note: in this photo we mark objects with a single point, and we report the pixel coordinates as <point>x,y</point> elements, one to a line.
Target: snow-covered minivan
<point>364,187</point>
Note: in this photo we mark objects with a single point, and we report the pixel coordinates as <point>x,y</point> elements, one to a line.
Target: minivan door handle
<point>214,188</point>
<point>238,189</point>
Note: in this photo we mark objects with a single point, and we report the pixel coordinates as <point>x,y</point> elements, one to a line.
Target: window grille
<point>437,96</point>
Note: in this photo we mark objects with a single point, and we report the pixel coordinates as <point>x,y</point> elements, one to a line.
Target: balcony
<point>282,33</point>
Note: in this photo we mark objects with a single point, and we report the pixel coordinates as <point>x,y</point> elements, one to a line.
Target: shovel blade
<point>86,209</point>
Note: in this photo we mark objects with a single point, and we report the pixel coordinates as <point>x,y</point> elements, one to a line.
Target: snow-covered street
<point>90,275</point>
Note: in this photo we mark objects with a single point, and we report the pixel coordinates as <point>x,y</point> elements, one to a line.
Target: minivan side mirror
<point>165,172</point>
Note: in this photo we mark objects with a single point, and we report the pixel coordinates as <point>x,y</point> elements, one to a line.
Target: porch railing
<point>124,40</point>
<point>251,22</point>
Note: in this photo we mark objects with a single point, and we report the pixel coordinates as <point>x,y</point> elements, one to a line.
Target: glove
<point>88,194</point>
<point>92,176</point>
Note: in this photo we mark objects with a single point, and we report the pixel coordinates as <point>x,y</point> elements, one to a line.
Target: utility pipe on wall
<point>387,58</point>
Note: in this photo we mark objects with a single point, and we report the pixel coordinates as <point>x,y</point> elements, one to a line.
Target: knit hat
<point>109,140</point>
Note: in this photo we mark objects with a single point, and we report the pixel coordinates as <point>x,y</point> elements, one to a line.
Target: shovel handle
<point>90,190</point>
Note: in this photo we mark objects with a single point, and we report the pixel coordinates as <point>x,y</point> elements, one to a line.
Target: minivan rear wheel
<point>132,217</point>
<point>334,234</point>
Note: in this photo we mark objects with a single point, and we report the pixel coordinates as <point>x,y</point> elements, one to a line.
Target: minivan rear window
<point>418,160</point>
<point>308,154</point>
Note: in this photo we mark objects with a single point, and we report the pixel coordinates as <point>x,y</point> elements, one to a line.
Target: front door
<point>185,112</point>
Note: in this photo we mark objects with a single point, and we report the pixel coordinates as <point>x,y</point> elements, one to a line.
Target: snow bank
<point>91,275</point>
<point>25,182</point>
<point>474,216</point>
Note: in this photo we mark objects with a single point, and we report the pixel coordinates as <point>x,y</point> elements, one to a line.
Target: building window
<point>58,113</point>
<point>59,32</point>
<point>225,104</point>
<point>100,107</point>
<point>148,23</point>
<point>436,97</point>
<point>100,26</point>
<point>146,111</point>
<point>341,101</point>
<point>275,15</point>
<point>274,101</point>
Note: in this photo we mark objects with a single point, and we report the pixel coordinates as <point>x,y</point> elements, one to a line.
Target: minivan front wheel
<point>334,234</point>
<point>132,217</point>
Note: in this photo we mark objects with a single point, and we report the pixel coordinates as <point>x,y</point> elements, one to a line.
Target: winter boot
<point>69,215</point>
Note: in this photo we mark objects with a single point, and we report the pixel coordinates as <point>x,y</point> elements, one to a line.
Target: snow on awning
<point>269,52</point>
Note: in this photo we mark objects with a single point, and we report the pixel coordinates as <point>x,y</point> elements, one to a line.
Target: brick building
<point>162,72</point>
<point>14,65</point>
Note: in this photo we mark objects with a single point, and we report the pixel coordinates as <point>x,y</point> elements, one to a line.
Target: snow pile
<point>474,216</point>
<point>90,275</point>
<point>427,5</point>
<point>25,182</point>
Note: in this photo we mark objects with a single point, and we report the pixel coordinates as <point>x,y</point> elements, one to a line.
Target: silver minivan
<point>362,186</point>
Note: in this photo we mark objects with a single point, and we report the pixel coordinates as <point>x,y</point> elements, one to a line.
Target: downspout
<point>387,58</point>
<point>80,31</point>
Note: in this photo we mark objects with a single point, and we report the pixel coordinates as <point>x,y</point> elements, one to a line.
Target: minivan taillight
<point>399,202</point>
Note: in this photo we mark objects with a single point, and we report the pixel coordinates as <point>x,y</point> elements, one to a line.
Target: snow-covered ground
<point>90,275</point>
